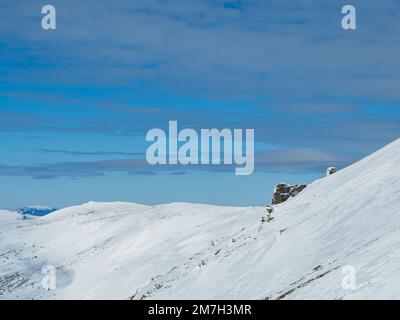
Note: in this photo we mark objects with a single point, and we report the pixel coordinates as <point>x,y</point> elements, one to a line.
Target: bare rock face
<point>330,170</point>
<point>284,191</point>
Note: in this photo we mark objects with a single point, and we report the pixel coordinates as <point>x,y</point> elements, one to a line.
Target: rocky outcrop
<point>330,170</point>
<point>284,191</point>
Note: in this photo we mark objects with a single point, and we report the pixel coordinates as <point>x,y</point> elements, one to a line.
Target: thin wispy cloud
<point>296,160</point>
<point>92,153</point>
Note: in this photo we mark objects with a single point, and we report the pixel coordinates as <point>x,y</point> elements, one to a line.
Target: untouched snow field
<point>188,251</point>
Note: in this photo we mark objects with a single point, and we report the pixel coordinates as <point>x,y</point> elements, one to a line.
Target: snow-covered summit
<point>344,225</point>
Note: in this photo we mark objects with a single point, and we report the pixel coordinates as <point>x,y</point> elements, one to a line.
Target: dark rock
<point>284,191</point>
<point>330,170</point>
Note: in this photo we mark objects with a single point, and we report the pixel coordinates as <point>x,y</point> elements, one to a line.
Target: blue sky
<point>76,103</point>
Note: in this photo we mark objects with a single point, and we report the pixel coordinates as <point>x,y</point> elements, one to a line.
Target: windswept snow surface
<point>349,221</point>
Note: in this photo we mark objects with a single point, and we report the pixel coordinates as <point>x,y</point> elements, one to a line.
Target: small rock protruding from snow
<point>284,191</point>
<point>268,217</point>
<point>330,171</point>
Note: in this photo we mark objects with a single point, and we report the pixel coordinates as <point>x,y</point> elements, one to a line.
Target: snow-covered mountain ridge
<point>189,251</point>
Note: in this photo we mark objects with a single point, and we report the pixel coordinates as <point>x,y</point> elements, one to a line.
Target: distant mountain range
<point>36,210</point>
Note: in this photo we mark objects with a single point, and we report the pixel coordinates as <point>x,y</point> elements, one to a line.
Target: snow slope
<point>189,251</point>
<point>9,216</point>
